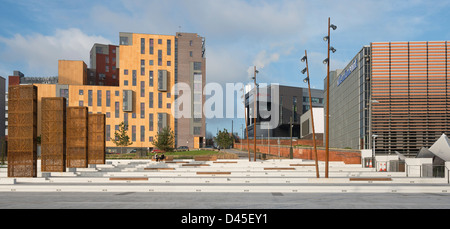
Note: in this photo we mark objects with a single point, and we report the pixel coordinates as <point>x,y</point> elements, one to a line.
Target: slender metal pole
<point>312,117</point>
<point>291,153</point>
<point>327,135</point>
<point>246,126</point>
<point>255,96</point>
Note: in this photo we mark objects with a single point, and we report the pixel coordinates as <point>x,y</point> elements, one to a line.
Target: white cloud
<point>263,59</point>
<point>224,66</point>
<point>42,52</point>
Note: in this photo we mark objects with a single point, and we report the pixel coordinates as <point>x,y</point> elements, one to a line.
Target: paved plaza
<point>222,184</point>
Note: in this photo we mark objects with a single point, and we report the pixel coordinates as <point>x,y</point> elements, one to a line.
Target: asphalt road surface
<point>173,200</point>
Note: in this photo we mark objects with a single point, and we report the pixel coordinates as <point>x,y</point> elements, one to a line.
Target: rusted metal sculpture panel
<point>53,134</point>
<point>96,139</point>
<point>77,137</point>
<point>22,131</point>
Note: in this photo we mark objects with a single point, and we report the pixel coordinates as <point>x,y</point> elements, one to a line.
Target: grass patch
<point>177,155</point>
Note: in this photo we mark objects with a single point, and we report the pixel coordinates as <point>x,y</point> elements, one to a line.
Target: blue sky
<point>272,35</point>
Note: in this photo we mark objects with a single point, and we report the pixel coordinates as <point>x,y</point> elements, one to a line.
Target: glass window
<point>123,40</point>
<point>169,47</point>
<point>80,92</point>
<point>150,123</point>
<point>169,63</point>
<point>150,62</point>
<point>116,128</point>
<point>133,133</point>
<point>99,98</point>
<point>142,45</point>
<point>160,41</point>
<point>98,50</point>
<point>150,100</point>
<point>108,132</point>
<point>142,67</point>
<point>306,99</point>
<point>134,77</point>
<point>89,97</point>
<point>116,109</point>
<point>150,78</point>
<point>160,100</point>
<point>142,110</point>
<point>142,133</point>
<point>108,98</point>
<point>117,93</point>
<point>125,71</point>
<point>142,88</point>
<point>80,103</point>
<point>150,46</point>
<point>197,66</point>
<point>159,57</point>
<point>197,130</point>
<point>125,82</point>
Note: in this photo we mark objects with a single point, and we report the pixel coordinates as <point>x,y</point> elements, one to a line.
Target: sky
<point>239,34</point>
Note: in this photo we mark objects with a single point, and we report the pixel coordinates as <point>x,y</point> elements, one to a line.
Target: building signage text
<point>347,72</point>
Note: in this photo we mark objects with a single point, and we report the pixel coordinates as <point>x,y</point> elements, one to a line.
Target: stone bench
<point>159,169</point>
<point>371,179</point>
<point>213,173</point>
<point>128,178</point>
<point>205,158</point>
<point>194,164</point>
<point>302,164</point>
<point>279,168</point>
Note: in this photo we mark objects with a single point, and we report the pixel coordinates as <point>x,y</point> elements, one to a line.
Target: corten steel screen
<point>410,83</point>
<point>96,139</point>
<point>22,131</point>
<point>53,134</point>
<point>77,137</point>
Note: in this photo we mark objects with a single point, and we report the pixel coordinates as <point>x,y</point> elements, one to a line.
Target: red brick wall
<point>13,80</point>
<point>307,153</point>
<point>287,142</point>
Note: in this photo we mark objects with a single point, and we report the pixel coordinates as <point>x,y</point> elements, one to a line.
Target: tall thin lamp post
<point>306,80</point>
<point>327,130</point>
<point>255,113</point>
<point>246,126</point>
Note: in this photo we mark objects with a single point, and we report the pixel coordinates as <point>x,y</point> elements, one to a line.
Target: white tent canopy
<point>441,148</point>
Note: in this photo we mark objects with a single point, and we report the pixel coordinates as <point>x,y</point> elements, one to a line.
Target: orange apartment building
<point>147,67</point>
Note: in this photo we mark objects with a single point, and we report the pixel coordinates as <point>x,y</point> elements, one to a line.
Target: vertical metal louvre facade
<point>411,93</point>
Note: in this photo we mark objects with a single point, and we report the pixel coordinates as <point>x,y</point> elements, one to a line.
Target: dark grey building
<point>349,103</point>
<point>292,102</point>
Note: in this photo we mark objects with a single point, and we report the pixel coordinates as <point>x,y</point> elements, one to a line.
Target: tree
<point>223,139</point>
<point>164,140</point>
<point>121,137</point>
